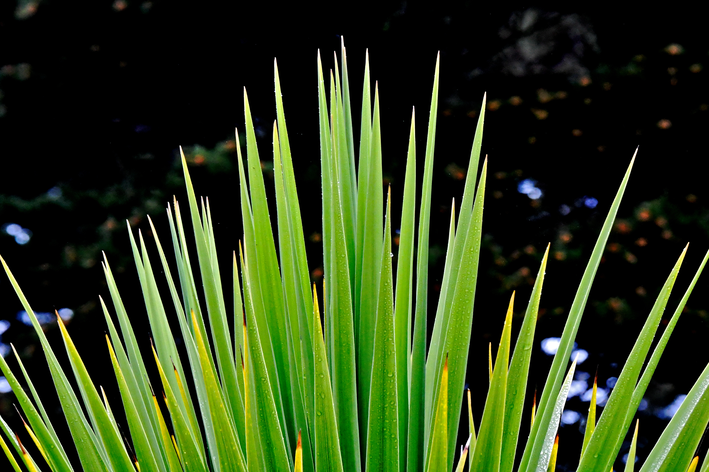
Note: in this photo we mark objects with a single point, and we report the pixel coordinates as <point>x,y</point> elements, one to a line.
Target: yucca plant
<point>341,376</point>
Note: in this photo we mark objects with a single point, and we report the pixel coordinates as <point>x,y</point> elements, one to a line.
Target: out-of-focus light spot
<point>570,417</point>
<point>669,411</point>
<point>543,96</point>
<point>22,235</point>
<point>54,193</point>
<point>601,396</point>
<point>622,226</point>
<point>584,81</point>
<point>550,346</point>
<point>576,132</point>
<point>4,349</point>
<point>66,313</point>
<point>643,405</point>
<point>493,105</point>
<point>559,255</point>
<point>455,171</point>
<point>532,139</point>
<point>540,114</point>
<point>664,124</point>
<point>42,317</point>
<point>4,326</point>
<point>514,101</point>
<point>642,242</point>
<point>564,210</point>
<point>528,187</point>
<point>610,383</point>
<point>120,5</point>
<point>581,375</point>
<point>616,304</point>
<point>625,458</point>
<point>565,237</point>
<point>580,355</point>
<point>674,49</point>
<point>4,385</point>
<point>590,202</point>
<point>13,229</point>
<point>691,198</point>
<point>640,291</point>
<point>577,388</point>
<point>694,68</point>
<point>25,10</point>
<point>22,239</point>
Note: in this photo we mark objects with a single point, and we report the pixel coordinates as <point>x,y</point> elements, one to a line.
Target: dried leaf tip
<point>632,161</point>
<point>22,448</point>
<point>467,444</point>
<point>20,414</point>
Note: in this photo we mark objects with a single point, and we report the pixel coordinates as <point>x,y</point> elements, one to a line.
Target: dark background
<point>96,96</point>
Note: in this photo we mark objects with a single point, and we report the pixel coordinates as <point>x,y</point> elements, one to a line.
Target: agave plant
<point>280,383</point>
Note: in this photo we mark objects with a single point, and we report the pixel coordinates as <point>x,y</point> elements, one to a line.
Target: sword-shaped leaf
<point>143,450</point>
<point>554,380</point>
<point>111,441</point>
<point>191,455</point>
<point>8,454</point>
<point>457,337</point>
<point>544,458</point>
<point>607,436</point>
<point>328,454</point>
<point>678,442</point>
<point>630,460</point>
<point>383,435</point>
<point>488,448</point>
<point>437,458</point>
<point>418,428</point>
<point>84,438</point>
<point>404,292</point>
<point>451,284</point>
<point>519,372</point>
<point>591,420</point>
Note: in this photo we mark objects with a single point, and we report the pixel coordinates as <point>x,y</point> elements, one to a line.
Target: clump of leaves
<point>280,383</point>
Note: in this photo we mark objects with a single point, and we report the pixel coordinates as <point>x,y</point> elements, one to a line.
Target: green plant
<point>275,386</point>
